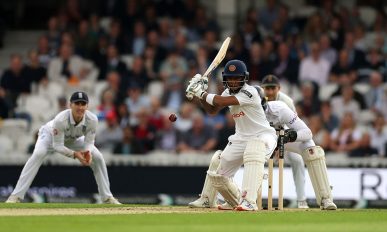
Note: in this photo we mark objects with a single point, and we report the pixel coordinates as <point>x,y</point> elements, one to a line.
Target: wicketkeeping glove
<point>290,136</point>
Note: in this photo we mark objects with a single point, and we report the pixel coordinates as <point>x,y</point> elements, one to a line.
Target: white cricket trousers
<point>298,170</point>
<point>294,151</point>
<point>232,156</point>
<point>43,148</point>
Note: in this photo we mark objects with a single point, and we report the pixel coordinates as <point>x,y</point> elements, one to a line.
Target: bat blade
<point>219,57</point>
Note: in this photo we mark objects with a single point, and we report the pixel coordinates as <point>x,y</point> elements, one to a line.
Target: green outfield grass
<point>288,221</point>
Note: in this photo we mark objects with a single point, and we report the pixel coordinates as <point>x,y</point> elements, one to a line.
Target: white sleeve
<point>294,122</point>
<point>90,135</point>
<point>245,97</point>
<point>58,140</point>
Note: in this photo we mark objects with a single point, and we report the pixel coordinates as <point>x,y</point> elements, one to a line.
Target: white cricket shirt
<point>64,130</point>
<point>280,114</point>
<point>249,117</point>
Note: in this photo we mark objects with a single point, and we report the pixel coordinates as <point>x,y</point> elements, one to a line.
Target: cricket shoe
<point>225,206</point>
<point>202,202</point>
<point>247,206</point>
<point>302,204</point>
<point>13,199</point>
<point>112,200</point>
<point>327,204</point>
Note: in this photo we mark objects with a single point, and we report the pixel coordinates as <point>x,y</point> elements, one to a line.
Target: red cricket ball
<point>172,117</point>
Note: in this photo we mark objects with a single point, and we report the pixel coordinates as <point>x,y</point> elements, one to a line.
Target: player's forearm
<point>211,109</point>
<point>304,135</point>
<point>61,149</point>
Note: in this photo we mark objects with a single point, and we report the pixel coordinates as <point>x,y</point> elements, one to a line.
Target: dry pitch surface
<point>115,210</point>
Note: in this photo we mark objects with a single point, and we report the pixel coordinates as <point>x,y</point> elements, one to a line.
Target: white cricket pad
<point>208,190</point>
<point>225,186</point>
<point>314,158</point>
<point>254,161</point>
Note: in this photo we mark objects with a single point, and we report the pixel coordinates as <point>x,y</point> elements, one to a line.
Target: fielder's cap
<point>79,97</point>
<point>270,80</point>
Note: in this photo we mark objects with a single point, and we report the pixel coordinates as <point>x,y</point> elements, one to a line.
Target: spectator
<point>268,14</point>
<point>342,66</point>
<point>314,68</point>
<point>167,137</point>
<point>99,56</point>
<point>375,94</point>
<point>285,67</point>
<point>165,33</point>
<point>123,115</point>
<point>151,64</point>
<point>107,105</point>
<point>185,117</point>
<point>200,138</point>
<point>320,134</point>
<point>53,35</point>
<point>85,42</point>
<point>112,63</point>
<point>345,103</point>
<point>144,132</point>
<point>237,49</point>
<point>227,130</point>
<point>250,34</point>
<point>329,120</point>
<point>135,101</point>
<point>336,32</point>
<point>181,48</point>
<point>378,135</point>
<point>346,80</point>
<point>15,80</point>
<point>258,68</point>
<point>153,41</point>
<point>138,73</point>
<point>115,37</point>
<point>346,138</point>
<point>314,28</point>
<point>5,107</point>
<point>70,68</point>
<point>137,42</point>
<point>327,52</point>
<point>129,144</point>
<point>110,135</point>
<point>44,53</point>
<point>33,69</point>
<point>356,57</point>
<point>156,117</point>
<point>381,105</point>
<point>374,62</point>
<point>309,101</point>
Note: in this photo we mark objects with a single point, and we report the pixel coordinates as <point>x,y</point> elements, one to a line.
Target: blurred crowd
<point>134,58</point>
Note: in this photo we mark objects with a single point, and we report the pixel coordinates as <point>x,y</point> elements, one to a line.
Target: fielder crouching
<point>71,133</point>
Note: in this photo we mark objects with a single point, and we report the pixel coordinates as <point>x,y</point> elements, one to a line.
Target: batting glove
<point>199,78</point>
<point>195,89</point>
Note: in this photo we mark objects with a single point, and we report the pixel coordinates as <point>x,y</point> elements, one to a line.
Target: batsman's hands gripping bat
<point>217,60</point>
<point>195,89</point>
<point>196,80</point>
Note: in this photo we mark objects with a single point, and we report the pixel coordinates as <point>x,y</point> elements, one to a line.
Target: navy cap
<point>79,96</point>
<point>270,80</point>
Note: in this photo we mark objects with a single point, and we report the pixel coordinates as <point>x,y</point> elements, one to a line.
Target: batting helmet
<point>235,68</point>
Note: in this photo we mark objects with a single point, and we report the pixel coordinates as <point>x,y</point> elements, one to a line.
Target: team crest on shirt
<point>55,131</point>
<point>311,151</point>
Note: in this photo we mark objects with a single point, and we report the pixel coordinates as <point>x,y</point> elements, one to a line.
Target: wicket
<point>281,150</point>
